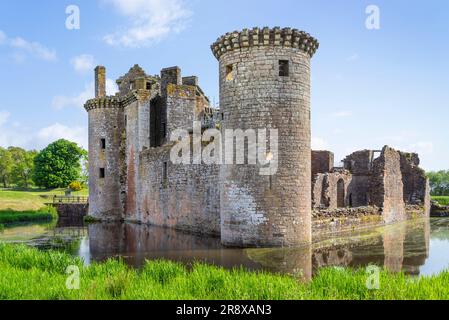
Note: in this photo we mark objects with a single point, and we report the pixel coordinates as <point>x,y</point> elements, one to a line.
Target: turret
<point>106,123</point>
<point>265,84</point>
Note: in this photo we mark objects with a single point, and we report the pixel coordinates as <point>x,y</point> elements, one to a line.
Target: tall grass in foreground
<point>442,200</point>
<point>27,273</point>
<point>11,216</point>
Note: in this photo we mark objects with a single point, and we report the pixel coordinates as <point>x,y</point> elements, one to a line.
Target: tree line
<point>58,165</point>
<point>439,182</point>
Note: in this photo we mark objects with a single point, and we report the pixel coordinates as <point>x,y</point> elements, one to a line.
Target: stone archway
<point>341,193</point>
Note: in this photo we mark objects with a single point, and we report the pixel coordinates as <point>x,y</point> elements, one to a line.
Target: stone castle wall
<point>387,187</point>
<point>186,198</point>
<point>322,162</point>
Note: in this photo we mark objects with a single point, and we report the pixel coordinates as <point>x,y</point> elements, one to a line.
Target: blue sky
<point>369,87</point>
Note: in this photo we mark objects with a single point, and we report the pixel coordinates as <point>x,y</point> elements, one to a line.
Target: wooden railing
<point>70,199</point>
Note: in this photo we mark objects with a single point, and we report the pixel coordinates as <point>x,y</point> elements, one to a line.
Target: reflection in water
<point>136,243</point>
<point>404,246</point>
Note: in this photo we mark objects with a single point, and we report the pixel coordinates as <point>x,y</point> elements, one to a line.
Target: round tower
<point>265,84</point>
<point>105,135</point>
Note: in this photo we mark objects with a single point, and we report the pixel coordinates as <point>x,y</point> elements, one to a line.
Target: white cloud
<point>23,46</point>
<point>83,63</point>
<point>58,131</point>
<point>341,114</point>
<point>319,144</point>
<point>149,21</point>
<point>13,133</point>
<point>78,100</point>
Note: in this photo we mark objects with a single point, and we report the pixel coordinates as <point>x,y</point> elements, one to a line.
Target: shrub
<point>76,186</point>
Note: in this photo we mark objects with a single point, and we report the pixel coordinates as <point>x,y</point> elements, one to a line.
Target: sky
<point>370,87</point>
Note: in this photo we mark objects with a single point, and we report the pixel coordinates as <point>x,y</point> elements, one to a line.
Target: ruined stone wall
<point>170,75</point>
<point>257,210</point>
<point>325,189</point>
<point>317,191</point>
<point>181,107</point>
<point>105,122</point>
<point>414,179</point>
<point>359,162</point>
<point>187,199</point>
<point>359,190</point>
<point>386,185</point>
<point>416,183</point>
<point>132,150</point>
<point>322,162</point>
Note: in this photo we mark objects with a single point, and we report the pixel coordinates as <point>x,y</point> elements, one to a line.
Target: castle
<point>264,83</point>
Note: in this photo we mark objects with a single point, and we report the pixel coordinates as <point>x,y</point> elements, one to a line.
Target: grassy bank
<point>30,199</point>
<point>11,216</point>
<point>30,274</point>
<point>442,200</point>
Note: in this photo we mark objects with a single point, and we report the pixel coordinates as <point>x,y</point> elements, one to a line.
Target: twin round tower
<point>264,84</point>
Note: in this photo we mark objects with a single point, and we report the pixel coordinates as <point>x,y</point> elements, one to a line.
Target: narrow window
<point>126,121</point>
<point>283,68</point>
<point>164,130</point>
<point>165,172</point>
<point>103,144</point>
<point>102,173</point>
<point>229,73</point>
<point>148,85</point>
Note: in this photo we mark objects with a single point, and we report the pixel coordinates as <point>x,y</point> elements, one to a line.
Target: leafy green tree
<point>85,168</point>
<point>6,165</point>
<point>22,166</point>
<point>439,182</point>
<point>58,164</point>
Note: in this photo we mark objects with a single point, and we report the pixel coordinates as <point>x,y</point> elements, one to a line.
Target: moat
<point>419,247</point>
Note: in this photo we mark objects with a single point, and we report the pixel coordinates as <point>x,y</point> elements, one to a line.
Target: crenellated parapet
<point>102,103</point>
<point>285,37</point>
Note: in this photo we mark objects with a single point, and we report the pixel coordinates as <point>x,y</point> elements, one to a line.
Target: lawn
<point>31,274</point>
<point>32,199</point>
<point>442,200</point>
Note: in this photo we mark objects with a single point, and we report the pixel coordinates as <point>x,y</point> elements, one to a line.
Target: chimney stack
<point>100,82</point>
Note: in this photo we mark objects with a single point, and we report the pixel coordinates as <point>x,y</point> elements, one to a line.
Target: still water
<point>415,247</point>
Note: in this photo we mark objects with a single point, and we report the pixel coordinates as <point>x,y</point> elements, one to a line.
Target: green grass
<point>30,199</point>
<point>442,200</point>
<point>11,216</point>
<point>31,274</point>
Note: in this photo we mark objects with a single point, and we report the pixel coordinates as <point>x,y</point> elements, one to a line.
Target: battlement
<point>102,103</point>
<point>276,36</point>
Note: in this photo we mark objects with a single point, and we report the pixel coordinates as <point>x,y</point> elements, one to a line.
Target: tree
<point>85,168</point>
<point>6,164</point>
<point>22,166</point>
<point>439,182</point>
<point>58,164</point>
